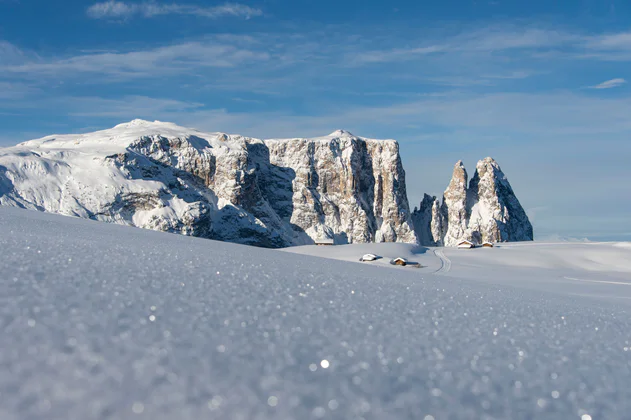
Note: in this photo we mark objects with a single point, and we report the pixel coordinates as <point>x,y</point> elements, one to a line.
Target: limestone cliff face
<point>454,208</point>
<point>352,186</point>
<point>429,221</point>
<point>496,214</point>
<point>486,210</point>
<point>270,193</point>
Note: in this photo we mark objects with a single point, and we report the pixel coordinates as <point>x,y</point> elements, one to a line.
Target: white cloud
<point>397,54</point>
<point>173,59</point>
<point>16,90</point>
<point>497,117</point>
<point>495,39</point>
<point>609,84</point>
<point>10,53</point>
<point>110,9</point>
<point>503,37</point>
<point>125,108</point>
<point>620,40</point>
<point>113,9</point>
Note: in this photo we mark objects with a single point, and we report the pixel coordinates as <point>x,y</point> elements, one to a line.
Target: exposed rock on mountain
<point>454,208</point>
<point>429,221</point>
<point>495,212</point>
<point>486,210</point>
<point>270,193</point>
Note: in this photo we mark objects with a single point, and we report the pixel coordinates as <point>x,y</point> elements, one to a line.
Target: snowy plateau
<point>270,193</point>
<point>102,321</point>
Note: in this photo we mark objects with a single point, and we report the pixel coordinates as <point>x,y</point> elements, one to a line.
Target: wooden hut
<point>466,245</point>
<point>325,242</point>
<point>487,245</point>
<point>399,261</point>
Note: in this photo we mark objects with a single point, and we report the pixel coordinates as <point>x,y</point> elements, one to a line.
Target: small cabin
<point>369,257</point>
<point>487,245</point>
<point>466,245</point>
<point>399,261</point>
<point>325,242</point>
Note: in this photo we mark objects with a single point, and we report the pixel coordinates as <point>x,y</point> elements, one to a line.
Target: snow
<point>550,267</point>
<point>117,139</point>
<point>106,321</point>
<point>160,176</point>
<point>387,251</point>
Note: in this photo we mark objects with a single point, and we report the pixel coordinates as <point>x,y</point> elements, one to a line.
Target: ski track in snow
<point>445,262</point>
<point>101,321</point>
<point>620,283</point>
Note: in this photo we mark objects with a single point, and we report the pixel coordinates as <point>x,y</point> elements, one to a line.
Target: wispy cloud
<point>609,84</point>
<point>491,40</point>
<point>118,10</point>
<point>502,115</point>
<point>179,58</point>
<point>607,47</point>
<point>397,54</point>
<point>126,107</point>
<point>617,41</point>
<point>15,90</point>
<point>10,53</point>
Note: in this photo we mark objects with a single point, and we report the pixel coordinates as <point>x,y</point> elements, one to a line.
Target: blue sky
<point>541,86</point>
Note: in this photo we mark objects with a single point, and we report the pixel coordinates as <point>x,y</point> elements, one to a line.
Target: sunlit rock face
<point>270,193</point>
<point>454,208</point>
<point>353,186</point>
<point>486,210</point>
<point>496,213</point>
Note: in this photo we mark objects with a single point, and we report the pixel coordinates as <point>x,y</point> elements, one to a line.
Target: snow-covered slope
<point>100,321</point>
<point>270,193</point>
<point>486,210</point>
<point>597,270</point>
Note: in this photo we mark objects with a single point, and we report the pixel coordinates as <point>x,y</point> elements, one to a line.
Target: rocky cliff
<point>485,210</point>
<point>271,193</point>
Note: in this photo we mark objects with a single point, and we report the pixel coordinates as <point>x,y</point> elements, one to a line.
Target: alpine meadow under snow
<point>102,321</point>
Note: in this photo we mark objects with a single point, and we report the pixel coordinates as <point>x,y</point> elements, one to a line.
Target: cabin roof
<point>325,241</point>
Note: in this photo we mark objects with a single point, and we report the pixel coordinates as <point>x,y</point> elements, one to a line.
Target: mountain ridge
<point>265,192</point>
<point>272,193</point>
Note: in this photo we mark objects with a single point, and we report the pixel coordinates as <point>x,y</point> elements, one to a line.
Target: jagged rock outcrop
<point>486,210</point>
<point>454,208</point>
<point>495,211</point>
<point>429,221</point>
<point>271,193</point>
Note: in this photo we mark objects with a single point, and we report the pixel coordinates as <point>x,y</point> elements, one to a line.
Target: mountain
<point>270,193</point>
<point>485,210</point>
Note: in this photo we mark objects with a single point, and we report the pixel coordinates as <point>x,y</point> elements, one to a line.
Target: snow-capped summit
<point>137,122</point>
<point>341,133</point>
<point>117,139</point>
<point>162,176</point>
<point>485,210</point>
